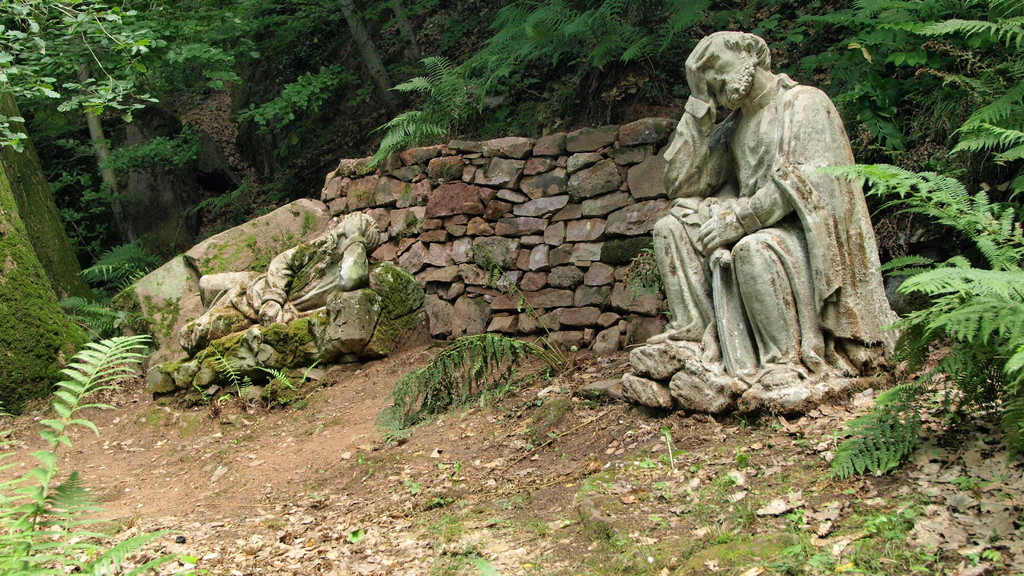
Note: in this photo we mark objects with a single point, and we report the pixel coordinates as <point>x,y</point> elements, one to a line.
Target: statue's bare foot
<point>689,333</point>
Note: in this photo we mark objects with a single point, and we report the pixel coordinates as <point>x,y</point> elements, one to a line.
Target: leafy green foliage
<point>157,154</point>
<point>466,369</point>
<point>43,522</point>
<point>643,276</point>
<point>980,312</point>
<point>120,266</point>
<point>880,440</point>
<point>307,93</point>
<point>98,319</point>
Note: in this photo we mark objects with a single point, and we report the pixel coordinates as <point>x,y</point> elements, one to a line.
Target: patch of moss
<point>400,293</point>
<point>739,553</point>
<point>621,251</point>
<point>309,223</point>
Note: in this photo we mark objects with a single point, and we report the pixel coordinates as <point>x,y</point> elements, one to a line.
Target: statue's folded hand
<point>720,230</point>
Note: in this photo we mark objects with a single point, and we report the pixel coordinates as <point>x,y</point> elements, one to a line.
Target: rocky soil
<point>550,480</point>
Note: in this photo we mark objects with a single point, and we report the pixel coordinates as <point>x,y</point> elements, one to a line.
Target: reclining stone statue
<point>297,280</point>
<point>769,265</point>
<point>320,301</point>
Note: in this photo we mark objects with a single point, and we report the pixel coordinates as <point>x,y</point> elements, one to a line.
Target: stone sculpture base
<point>673,375</point>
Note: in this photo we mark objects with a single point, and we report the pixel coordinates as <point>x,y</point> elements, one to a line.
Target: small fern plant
<point>978,311</point>
<point>469,368</point>
<point>44,520</point>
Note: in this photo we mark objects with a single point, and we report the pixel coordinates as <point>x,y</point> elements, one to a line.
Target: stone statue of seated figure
<point>769,266</point>
<point>297,281</point>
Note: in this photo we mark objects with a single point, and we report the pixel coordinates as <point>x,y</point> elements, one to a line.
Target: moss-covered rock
<point>35,335</point>
<point>620,251</point>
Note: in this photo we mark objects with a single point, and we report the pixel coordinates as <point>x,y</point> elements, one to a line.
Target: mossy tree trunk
<point>368,52</point>
<point>34,202</point>
<point>35,335</point>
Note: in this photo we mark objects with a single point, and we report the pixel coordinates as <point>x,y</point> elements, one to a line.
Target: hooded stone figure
<point>770,266</point>
<point>297,281</point>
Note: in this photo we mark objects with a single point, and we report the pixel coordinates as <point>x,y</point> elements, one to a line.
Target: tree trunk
<point>368,52</point>
<point>406,30</point>
<point>101,148</point>
<point>35,335</point>
<point>34,200</point>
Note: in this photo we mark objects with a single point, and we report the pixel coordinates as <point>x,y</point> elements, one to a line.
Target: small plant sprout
<point>667,435</point>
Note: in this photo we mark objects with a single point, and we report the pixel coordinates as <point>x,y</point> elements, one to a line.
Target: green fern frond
<point>1009,31</point>
<point>880,440</point>
<point>121,266</point>
<point>463,371</point>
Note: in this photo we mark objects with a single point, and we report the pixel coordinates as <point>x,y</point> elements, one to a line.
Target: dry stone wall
<point>522,236</point>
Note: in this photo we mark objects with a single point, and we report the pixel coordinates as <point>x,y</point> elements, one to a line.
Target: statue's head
<point>729,61</point>
<point>358,224</point>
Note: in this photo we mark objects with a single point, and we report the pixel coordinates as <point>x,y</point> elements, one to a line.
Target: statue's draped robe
<point>811,229</point>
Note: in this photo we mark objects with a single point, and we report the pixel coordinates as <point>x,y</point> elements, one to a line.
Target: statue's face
<point>730,75</point>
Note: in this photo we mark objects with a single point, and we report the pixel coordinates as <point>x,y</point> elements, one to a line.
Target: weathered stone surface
<point>582,160</point>
<point>639,329</point>
<point>590,139</point>
<point>600,178</point>
<point>623,299</point>
<point>258,240</point>
<point>333,188</point>
<point>547,299</point>
<point>554,234</point>
<point>408,173</point>
<point>535,165</point>
<point>579,317</point>
<point>647,179</point>
<point>519,226</point>
<point>636,219</point>
<point>541,206</point>
<point>504,324</point>
<point>654,131</point>
<point>413,258</point>
<point>533,281</point>
<point>434,236</point>
<point>511,147</point>
<point>495,251</point>
<point>584,230</point>
<point>607,341</point>
<point>550,183</point>
<point>446,274</point>
<point>350,321</point>
<point>439,316</point>
<point>550,145</point>
<point>461,248</point>
<point>439,254</point>
<point>565,277</point>
<point>531,240</point>
<point>622,251</point>
<point>696,390</point>
<point>455,198</point>
<point>472,314</point>
<point>415,194</point>
<point>496,209</point>
<point>561,255</point>
<point>629,156</point>
<point>591,296</point>
<point>605,204</point>
<point>445,168</point>
<point>599,274</point>
<point>538,259</point>
<point>568,340</point>
<point>645,392</point>
<point>474,275</point>
<point>354,167</point>
<point>586,252</point>
<point>466,146</point>
<point>373,191</point>
<point>406,222</point>
<point>572,211</point>
<point>500,172</point>
<point>607,319</point>
<point>420,155</point>
<point>479,227</point>
<point>662,361</point>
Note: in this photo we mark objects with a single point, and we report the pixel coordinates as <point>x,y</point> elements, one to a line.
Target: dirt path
<point>546,482</point>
